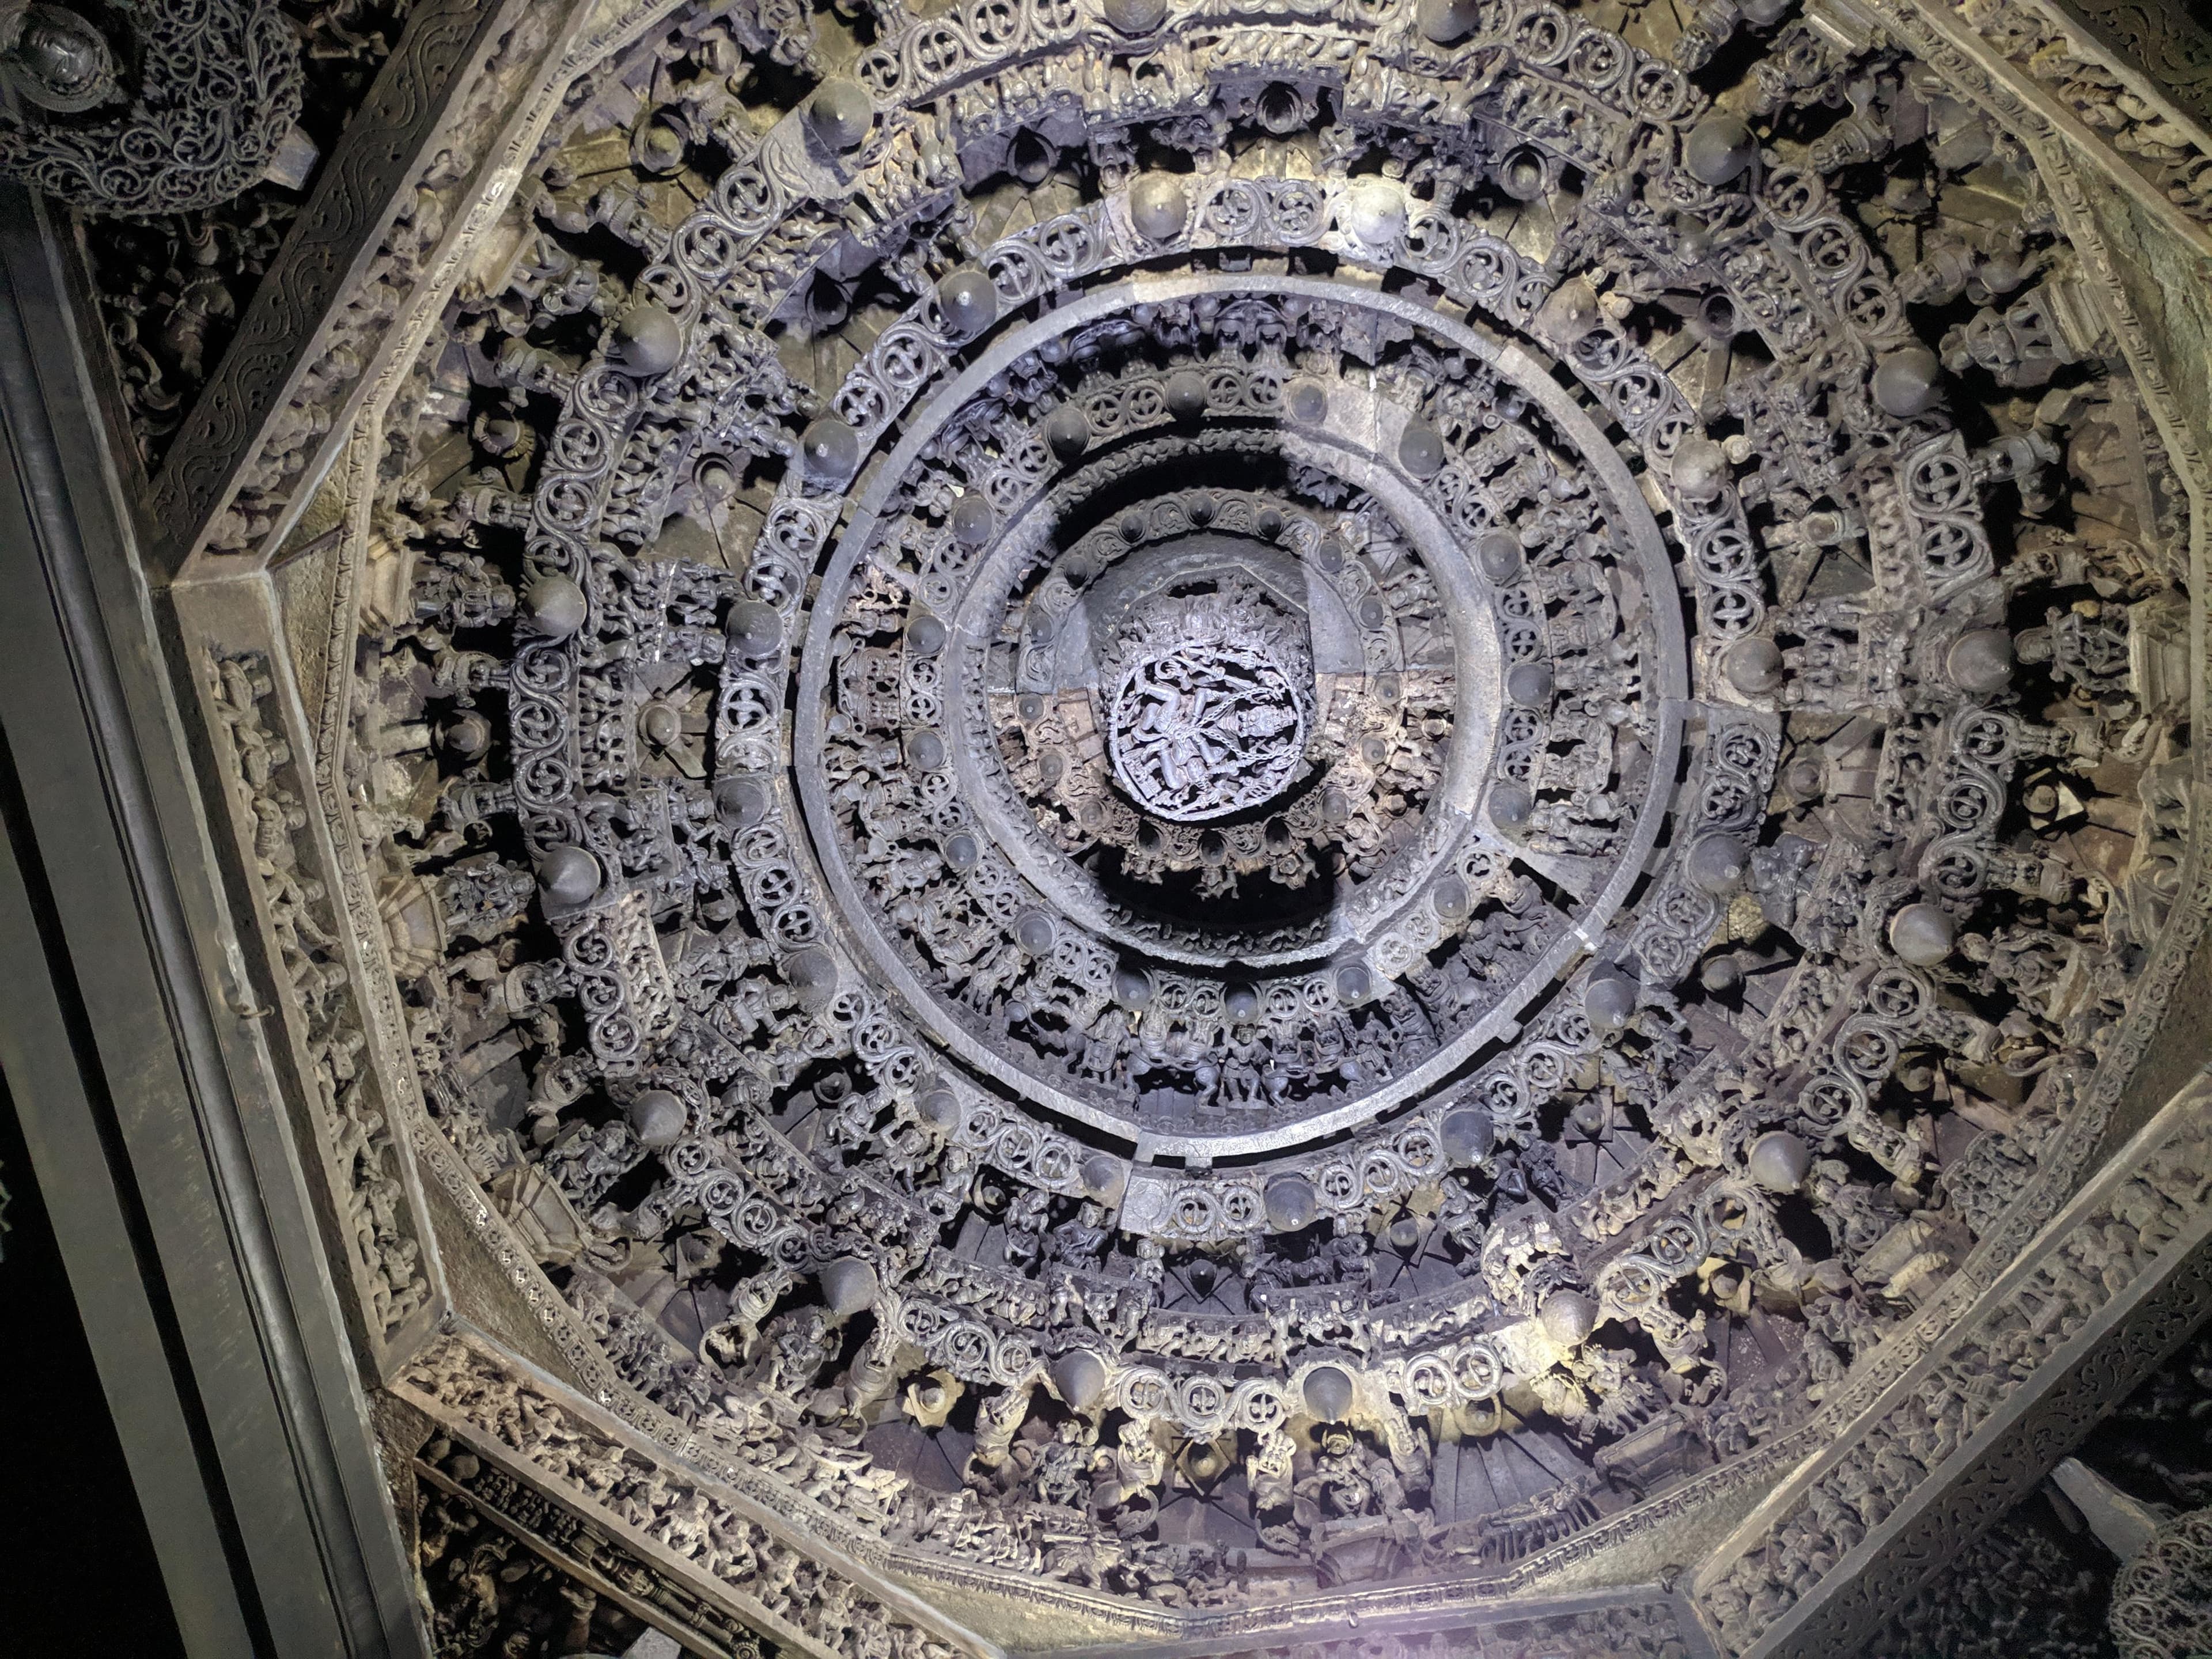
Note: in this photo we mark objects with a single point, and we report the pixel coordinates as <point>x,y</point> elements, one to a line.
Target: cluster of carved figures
<point>2042,1585</point>
<point>1192,808</point>
<point>510,1577</point>
<point>491,1596</point>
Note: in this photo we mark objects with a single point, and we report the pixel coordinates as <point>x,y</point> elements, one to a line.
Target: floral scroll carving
<point>185,110</point>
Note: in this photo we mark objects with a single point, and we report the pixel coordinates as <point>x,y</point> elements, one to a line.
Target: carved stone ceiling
<point>1158,823</point>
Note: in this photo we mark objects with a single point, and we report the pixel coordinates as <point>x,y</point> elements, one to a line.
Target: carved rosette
<point>1207,716</point>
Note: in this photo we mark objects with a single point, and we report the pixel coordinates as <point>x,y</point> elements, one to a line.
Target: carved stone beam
<point>1941,32</point>
<point>369,178</point>
<point>1597,1624</point>
<point>734,1561</point>
<point>322,990</point>
<point>590,1556</point>
<point>2101,1298</point>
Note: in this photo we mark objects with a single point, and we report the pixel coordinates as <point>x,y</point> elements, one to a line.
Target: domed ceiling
<point>1193,818</point>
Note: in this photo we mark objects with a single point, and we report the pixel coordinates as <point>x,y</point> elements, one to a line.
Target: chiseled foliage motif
<point>164,109</point>
<point>828,653</point>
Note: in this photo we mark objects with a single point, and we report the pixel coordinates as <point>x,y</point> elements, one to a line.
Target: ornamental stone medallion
<point>1177,820</point>
<point>1208,720</point>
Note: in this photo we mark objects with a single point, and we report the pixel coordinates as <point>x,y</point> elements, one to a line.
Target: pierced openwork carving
<point>1206,716</point>
<point>1179,813</point>
<point>2162,1599</point>
<point>184,107</point>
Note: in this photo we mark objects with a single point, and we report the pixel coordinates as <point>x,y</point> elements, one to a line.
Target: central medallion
<point>1209,727</point>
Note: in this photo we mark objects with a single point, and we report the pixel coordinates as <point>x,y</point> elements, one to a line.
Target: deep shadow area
<point>77,1572</point>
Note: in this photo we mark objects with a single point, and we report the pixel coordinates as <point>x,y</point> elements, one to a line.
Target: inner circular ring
<point>1667,683</point>
<point>1479,689</point>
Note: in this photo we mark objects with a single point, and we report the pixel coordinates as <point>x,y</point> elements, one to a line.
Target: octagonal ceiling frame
<point>2085,238</point>
<point>247,601</point>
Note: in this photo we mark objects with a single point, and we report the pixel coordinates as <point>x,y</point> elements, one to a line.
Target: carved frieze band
<point>520,1454</point>
<point>797,1597</point>
<point>586,1553</point>
<point>243,412</point>
<point>1464,1604</point>
<point>2165,42</point>
<point>1627,1624</point>
<point>319,1019</point>
<point>2112,1357</point>
<point>2072,74</point>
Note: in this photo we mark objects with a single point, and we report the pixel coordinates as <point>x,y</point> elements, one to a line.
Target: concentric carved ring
<point>1076,987</point>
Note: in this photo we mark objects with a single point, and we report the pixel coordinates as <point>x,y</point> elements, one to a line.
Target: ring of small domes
<point>1181,237</point>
